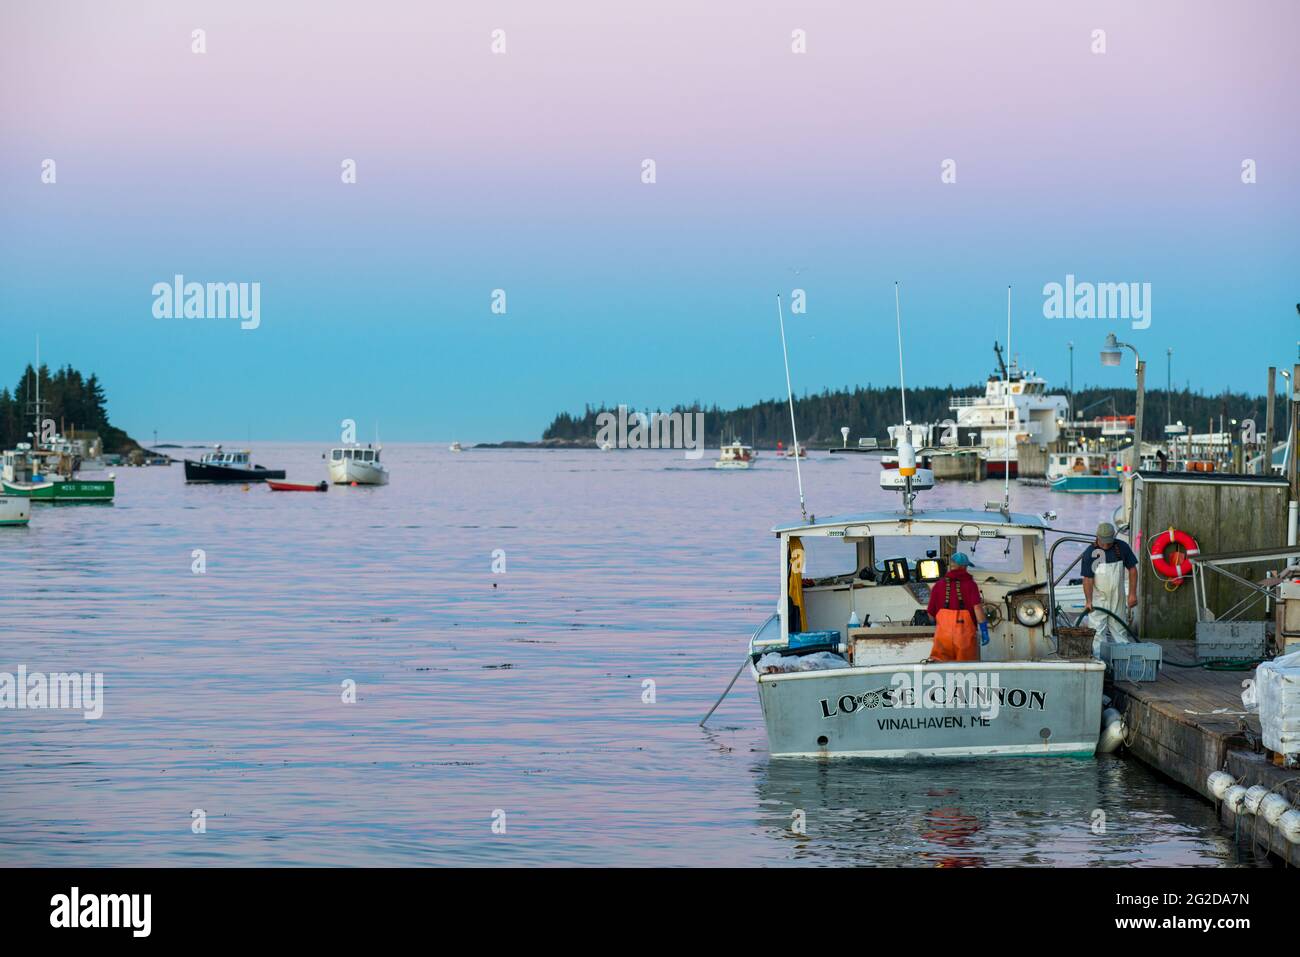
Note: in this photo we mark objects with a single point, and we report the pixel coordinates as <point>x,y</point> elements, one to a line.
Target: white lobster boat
<point>735,455</point>
<point>354,465</point>
<point>854,679</point>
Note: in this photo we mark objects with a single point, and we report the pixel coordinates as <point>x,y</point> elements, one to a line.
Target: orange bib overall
<point>954,633</point>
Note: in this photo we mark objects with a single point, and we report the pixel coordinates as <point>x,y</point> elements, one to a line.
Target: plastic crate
<point>1133,660</point>
<point>1223,640</point>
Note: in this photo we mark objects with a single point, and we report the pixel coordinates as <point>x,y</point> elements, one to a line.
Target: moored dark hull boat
<point>208,472</point>
<point>297,487</point>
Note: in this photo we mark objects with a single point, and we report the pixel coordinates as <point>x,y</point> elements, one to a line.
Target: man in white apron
<point>1108,565</point>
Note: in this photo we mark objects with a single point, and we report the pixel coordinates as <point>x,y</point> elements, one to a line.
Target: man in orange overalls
<point>957,608</point>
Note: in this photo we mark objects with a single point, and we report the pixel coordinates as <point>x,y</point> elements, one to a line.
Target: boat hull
<point>66,491</point>
<point>1086,483</point>
<point>1046,708</point>
<point>295,487</point>
<point>15,510</point>
<point>350,471</point>
<point>731,465</point>
<point>206,472</point>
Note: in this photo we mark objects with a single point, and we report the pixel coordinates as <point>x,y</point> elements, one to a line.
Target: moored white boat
<point>354,465</point>
<point>15,510</point>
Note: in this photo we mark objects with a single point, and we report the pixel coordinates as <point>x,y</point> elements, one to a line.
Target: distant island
<point>871,410</point>
<point>77,404</point>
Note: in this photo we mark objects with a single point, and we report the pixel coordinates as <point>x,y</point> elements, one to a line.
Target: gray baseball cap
<point>1105,533</point>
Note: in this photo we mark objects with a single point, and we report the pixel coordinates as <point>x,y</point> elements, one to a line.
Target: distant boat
<point>221,466</point>
<point>1082,472</point>
<point>455,447</point>
<point>43,475</point>
<point>297,487</point>
<point>606,447</point>
<point>353,465</point>
<point>796,451</point>
<point>15,510</point>
<point>734,455</point>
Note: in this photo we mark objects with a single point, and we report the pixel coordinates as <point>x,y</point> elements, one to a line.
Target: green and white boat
<point>43,475</point>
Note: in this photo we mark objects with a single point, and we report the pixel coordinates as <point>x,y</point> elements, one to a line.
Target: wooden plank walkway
<point>1191,722</point>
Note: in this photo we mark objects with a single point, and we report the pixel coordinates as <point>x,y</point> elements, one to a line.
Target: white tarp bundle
<point>1277,686</point>
<point>773,662</point>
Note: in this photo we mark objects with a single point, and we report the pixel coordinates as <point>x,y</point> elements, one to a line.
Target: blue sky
<point>522,172</point>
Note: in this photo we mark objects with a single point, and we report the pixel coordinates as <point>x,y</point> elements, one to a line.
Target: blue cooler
<point>804,642</point>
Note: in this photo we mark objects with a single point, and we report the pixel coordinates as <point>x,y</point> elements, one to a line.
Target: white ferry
<point>1015,407</point>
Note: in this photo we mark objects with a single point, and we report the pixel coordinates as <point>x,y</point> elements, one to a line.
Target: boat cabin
<point>234,460</point>
<point>868,579</point>
<point>25,464</point>
<point>354,454</point>
<point>735,452</point>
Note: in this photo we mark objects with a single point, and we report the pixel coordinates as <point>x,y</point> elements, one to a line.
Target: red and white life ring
<point>1183,544</point>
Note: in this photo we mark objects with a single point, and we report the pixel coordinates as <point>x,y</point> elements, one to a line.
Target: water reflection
<point>1012,812</point>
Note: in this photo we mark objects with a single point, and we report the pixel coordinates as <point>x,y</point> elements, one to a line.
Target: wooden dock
<point>1190,723</point>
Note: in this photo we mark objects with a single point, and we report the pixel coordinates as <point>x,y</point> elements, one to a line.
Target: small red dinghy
<point>296,487</point>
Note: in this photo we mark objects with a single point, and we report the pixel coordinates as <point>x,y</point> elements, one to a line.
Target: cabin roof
<point>948,515</point>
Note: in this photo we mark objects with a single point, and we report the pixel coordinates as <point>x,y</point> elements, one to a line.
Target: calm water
<point>478,692</point>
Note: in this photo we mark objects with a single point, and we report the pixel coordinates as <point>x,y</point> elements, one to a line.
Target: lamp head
<point>1110,352</point>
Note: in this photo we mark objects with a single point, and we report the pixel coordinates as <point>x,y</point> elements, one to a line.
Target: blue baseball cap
<point>961,558</point>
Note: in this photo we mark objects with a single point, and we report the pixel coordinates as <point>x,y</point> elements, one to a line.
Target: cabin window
<point>336,455</point>
<point>826,558</point>
<point>1005,556</point>
<point>367,456</point>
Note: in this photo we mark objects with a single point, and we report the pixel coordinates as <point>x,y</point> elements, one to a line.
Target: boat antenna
<point>1006,392</point>
<point>903,439</point>
<point>902,389</point>
<point>789,391</point>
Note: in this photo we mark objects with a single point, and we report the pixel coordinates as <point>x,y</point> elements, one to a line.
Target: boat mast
<point>789,391</point>
<point>1006,394</point>
<point>906,453</point>
<point>902,389</point>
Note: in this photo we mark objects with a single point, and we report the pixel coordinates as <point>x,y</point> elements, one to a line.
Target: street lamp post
<point>1111,356</point>
<point>1169,386</point>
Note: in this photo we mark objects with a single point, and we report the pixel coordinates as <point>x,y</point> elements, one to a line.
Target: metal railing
<point>1054,580</point>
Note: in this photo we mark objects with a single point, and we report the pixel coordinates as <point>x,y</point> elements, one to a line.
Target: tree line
<point>72,400</point>
<point>871,410</point>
